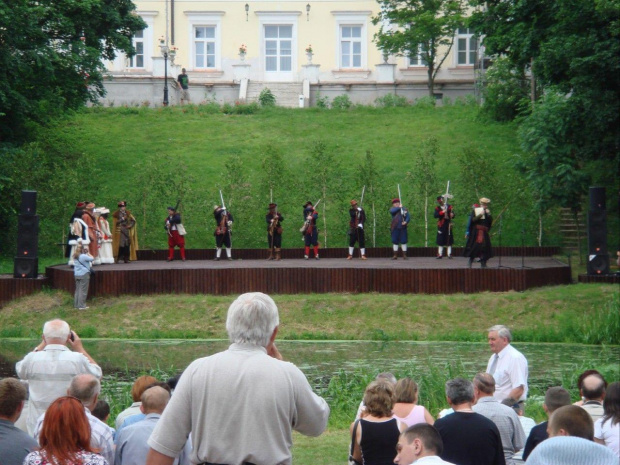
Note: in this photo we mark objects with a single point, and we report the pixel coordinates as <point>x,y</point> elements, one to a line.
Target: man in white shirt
<point>51,366</point>
<point>507,365</point>
<point>242,404</point>
<point>419,444</point>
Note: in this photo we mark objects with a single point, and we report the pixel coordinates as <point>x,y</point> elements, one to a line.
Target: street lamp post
<point>164,51</point>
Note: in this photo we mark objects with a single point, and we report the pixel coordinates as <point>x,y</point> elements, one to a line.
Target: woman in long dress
<point>105,250</point>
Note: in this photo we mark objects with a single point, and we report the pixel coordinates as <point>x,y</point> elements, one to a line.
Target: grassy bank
<point>580,313</point>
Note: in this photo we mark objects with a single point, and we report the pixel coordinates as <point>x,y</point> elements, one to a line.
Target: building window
<point>204,46</point>
<point>350,46</point>
<point>467,47</point>
<point>278,48</point>
<point>137,61</point>
<point>416,59</point>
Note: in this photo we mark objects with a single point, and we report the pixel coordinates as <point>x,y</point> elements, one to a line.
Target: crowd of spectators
<point>240,406</point>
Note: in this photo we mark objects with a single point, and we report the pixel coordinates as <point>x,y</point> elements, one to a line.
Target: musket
<point>307,222</point>
<point>447,195</point>
<point>402,214</point>
<point>168,226</point>
<point>222,199</point>
<point>362,198</point>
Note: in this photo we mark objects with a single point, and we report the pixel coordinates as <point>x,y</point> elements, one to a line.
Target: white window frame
<point>351,40</point>
<point>420,59</point>
<point>355,19</point>
<point>204,19</point>
<point>135,40</point>
<point>206,41</point>
<point>121,62</point>
<point>279,18</point>
<point>468,37</point>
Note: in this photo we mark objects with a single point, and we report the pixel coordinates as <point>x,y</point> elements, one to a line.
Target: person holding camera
<point>82,263</point>
<point>51,366</point>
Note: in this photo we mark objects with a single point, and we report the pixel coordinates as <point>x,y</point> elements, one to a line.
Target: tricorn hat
<point>80,205</point>
<point>353,202</point>
<point>396,200</point>
<point>307,203</point>
<point>172,208</point>
<point>484,200</point>
<point>272,206</point>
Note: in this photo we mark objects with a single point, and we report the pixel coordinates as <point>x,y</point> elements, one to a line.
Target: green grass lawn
<point>578,313</point>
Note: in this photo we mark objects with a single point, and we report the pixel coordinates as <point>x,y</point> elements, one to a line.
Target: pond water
<point>549,364</point>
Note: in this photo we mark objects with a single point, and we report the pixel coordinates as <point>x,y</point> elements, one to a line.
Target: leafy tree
<point>426,27</point>
<point>506,90</point>
<point>51,58</point>
<point>573,49</point>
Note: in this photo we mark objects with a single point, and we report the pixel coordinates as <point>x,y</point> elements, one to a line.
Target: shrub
<point>342,102</point>
<point>322,102</point>
<point>391,100</point>
<point>266,98</point>
<point>505,90</point>
<point>425,102</point>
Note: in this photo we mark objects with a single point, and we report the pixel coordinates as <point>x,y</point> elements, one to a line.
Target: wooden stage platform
<point>151,274</point>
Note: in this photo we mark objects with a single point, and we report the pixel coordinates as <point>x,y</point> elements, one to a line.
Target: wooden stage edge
<point>512,269</point>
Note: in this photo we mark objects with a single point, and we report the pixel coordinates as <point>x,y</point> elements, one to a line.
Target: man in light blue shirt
<point>131,445</point>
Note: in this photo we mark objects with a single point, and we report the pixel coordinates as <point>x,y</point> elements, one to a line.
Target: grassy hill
<point>154,157</point>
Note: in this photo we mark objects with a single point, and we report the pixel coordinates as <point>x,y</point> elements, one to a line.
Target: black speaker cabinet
<point>597,232</point>
<point>29,203</point>
<point>597,199</point>
<point>598,264</point>
<point>25,267</point>
<point>27,236</point>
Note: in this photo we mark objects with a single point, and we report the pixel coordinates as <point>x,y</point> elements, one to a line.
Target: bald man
<point>593,394</point>
<point>131,445</point>
<point>51,366</point>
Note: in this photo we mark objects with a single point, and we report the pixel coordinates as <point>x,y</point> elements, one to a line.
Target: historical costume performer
<point>400,220</point>
<point>356,230</point>
<point>478,239</point>
<point>78,229</point>
<point>223,231</point>
<point>88,216</point>
<point>444,214</point>
<point>310,231</point>
<point>176,233</point>
<point>274,232</point>
<point>124,234</point>
<point>105,251</point>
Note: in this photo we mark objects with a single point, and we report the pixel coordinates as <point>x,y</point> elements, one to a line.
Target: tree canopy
<point>424,27</point>
<point>573,51</point>
<point>51,55</point>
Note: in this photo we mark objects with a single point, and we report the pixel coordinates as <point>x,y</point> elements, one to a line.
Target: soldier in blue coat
<point>400,220</point>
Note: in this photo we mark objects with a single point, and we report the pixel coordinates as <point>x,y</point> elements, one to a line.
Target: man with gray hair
<point>242,404</point>
<point>507,365</point>
<point>468,437</point>
<point>86,389</point>
<point>15,444</point>
<point>50,367</point>
<point>505,418</point>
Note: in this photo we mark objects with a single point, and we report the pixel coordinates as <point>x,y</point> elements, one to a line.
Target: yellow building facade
<point>298,49</point>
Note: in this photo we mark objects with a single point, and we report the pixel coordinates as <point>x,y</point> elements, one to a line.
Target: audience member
<point>139,386</point>
<point>526,422</point>
<point>420,443</point>
<point>569,450</point>
<point>101,410</point>
<point>468,437</point>
<point>507,365</point>
<point>505,418</point>
<point>607,428</point>
<point>66,436</point>
<point>15,444</point>
<point>263,397</point>
<point>582,376</point>
<point>131,445</point>
<point>132,419</point>
<point>555,397</point>
<point>51,366</point>
<point>386,376</point>
<point>86,388</point>
<point>593,394</point>
<point>405,408</point>
<point>376,433</point>
<point>570,442</point>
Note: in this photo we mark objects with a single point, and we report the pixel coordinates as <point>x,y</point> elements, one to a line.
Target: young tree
<point>420,27</point>
<point>424,176</point>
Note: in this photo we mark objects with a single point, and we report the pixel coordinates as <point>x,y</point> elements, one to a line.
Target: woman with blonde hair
<point>65,436</point>
<point>406,408</point>
<point>375,434</point>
